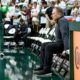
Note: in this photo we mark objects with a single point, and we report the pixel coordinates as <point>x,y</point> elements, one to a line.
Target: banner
<point>76,54</point>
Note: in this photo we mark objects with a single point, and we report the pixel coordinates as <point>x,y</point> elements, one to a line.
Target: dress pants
<point>47,51</point>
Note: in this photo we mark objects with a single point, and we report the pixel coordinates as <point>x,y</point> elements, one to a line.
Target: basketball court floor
<point>18,64</point>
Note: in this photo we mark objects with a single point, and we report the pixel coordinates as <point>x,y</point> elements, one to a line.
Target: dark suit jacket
<point>62,32</point>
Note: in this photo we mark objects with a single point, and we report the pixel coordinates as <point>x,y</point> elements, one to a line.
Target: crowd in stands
<point>36,12</point>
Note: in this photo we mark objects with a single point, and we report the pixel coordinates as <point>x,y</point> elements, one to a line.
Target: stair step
<point>13,43</point>
<point>13,51</point>
<point>6,43</point>
<point>8,37</point>
<point>10,51</point>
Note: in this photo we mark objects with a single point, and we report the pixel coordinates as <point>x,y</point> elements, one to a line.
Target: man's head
<point>52,4</point>
<point>35,4</point>
<point>24,8</point>
<point>44,4</point>
<point>57,13</point>
<point>22,22</point>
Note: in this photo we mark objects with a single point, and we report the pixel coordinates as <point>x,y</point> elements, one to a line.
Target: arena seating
<point>45,35</point>
<point>61,65</point>
<point>9,43</point>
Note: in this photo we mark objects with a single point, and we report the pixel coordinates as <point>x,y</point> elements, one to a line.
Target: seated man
<point>21,33</point>
<point>60,45</point>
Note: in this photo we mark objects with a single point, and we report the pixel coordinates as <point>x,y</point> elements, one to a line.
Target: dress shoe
<point>39,68</point>
<point>43,72</point>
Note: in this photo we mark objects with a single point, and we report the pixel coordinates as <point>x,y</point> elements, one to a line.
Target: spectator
<point>16,16</point>
<point>28,14</point>
<point>62,5</point>
<point>5,2</point>
<point>35,16</point>
<point>27,1</point>
<point>57,3</point>
<point>61,42</point>
<point>74,10</point>
<point>78,17</point>
<point>48,14</point>
<point>11,11</point>
<point>42,15</point>
<point>71,1</point>
<point>38,1</point>
<point>17,1</point>
<point>24,12</point>
<point>79,6</point>
<point>21,33</point>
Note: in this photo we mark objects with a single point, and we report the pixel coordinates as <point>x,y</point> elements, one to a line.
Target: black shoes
<point>43,72</point>
<point>38,69</point>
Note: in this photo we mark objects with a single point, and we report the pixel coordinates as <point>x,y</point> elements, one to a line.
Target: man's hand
<point>66,52</point>
<point>20,32</point>
<point>52,22</point>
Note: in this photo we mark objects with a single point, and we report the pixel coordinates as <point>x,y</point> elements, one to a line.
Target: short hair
<point>52,2</point>
<point>44,2</point>
<point>21,20</point>
<point>60,10</point>
<point>35,3</point>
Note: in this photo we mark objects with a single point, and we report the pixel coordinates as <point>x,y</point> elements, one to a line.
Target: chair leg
<point>37,28</point>
<point>33,26</point>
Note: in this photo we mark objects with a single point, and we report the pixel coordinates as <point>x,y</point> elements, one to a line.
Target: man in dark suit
<point>61,43</point>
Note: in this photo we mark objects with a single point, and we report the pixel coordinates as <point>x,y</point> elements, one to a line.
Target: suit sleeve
<point>64,29</point>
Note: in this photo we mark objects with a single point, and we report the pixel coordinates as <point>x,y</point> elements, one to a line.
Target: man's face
<point>44,5</point>
<point>52,5</point>
<point>55,15</point>
<point>35,5</point>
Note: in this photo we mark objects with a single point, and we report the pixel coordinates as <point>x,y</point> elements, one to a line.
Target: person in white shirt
<point>57,3</point>
<point>48,15</point>
<point>38,1</point>
<point>17,1</point>
<point>74,10</point>
<point>71,1</point>
<point>78,6</point>
<point>17,15</point>
<point>62,5</point>
<point>78,15</point>
<point>43,19</point>
<point>5,2</point>
<point>35,15</point>
<point>11,11</point>
<point>27,1</point>
<point>78,18</point>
